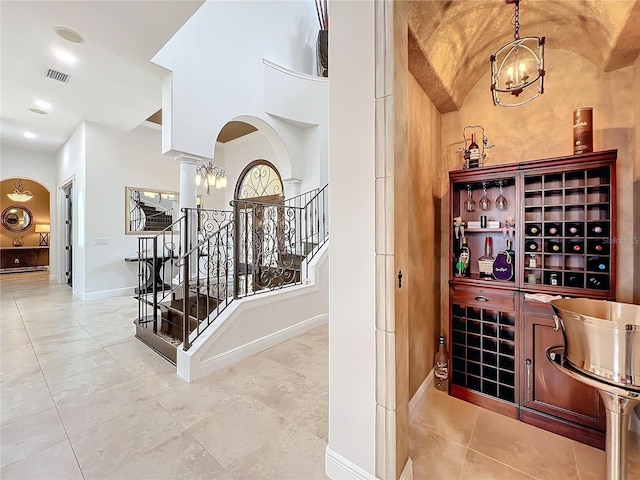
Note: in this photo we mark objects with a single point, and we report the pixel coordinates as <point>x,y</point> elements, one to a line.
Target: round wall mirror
<point>16,218</point>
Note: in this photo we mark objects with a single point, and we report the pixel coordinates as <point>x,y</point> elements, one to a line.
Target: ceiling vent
<point>56,75</point>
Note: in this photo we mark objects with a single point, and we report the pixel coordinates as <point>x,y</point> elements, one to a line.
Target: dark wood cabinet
<point>20,257</point>
<point>564,212</point>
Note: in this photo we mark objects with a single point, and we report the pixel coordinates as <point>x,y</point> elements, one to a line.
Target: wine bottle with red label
<point>597,247</point>
<point>574,246</point>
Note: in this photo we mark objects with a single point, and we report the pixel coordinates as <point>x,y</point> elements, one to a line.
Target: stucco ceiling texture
<point>450,42</point>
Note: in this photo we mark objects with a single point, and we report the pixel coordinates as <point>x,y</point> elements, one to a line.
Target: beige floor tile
<point>51,351</point>
<point>180,457</point>
<point>541,454</point>
<point>86,382</point>
<point>293,454</point>
<point>24,396</point>
<point>54,463</point>
<point>30,435</point>
<point>590,462</point>
<point>447,416</point>
<point>88,411</point>
<point>163,381</point>
<point>434,457</point>
<point>72,365</point>
<point>137,358</point>
<point>237,429</point>
<point>103,449</point>
<point>481,467</point>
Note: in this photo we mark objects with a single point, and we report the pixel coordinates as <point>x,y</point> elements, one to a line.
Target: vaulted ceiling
<point>451,41</point>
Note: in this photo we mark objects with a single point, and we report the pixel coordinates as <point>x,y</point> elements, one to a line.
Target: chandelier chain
<point>516,17</point>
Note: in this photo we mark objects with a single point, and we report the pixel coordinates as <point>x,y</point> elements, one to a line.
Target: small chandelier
<point>211,175</point>
<point>517,66</point>
<point>19,194</point>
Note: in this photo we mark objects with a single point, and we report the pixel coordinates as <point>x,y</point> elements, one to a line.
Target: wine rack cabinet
<point>564,240</point>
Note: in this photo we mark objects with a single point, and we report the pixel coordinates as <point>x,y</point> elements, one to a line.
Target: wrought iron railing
<point>255,248</point>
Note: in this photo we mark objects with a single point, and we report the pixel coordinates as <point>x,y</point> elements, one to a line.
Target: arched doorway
<point>264,235</point>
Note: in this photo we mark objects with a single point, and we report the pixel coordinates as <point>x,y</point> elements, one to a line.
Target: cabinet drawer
<point>538,308</point>
<point>484,298</point>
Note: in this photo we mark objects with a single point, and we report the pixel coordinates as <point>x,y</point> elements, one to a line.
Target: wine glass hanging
<point>501,201</point>
<point>485,201</point>
<point>470,203</point>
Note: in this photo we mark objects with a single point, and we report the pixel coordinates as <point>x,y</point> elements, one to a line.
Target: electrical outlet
<point>100,241</point>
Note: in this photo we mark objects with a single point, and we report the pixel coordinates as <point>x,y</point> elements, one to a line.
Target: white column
<point>188,199</point>
<point>291,187</point>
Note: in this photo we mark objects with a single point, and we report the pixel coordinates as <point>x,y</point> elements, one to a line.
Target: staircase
<point>155,220</point>
<point>253,249</point>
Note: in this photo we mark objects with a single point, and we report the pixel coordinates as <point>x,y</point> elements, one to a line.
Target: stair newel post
<point>236,251</point>
<point>154,266</point>
<point>186,260</point>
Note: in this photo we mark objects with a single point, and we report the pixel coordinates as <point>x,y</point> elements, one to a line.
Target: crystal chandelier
<point>211,175</point>
<point>19,194</point>
<point>517,66</point>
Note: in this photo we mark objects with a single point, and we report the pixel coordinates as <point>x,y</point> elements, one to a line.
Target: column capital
<point>192,159</point>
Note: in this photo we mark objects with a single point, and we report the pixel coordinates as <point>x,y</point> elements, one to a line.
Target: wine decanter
<point>485,201</point>
<point>501,201</point>
<point>469,204</point>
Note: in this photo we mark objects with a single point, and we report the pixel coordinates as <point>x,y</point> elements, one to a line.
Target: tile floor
<point>82,398</point>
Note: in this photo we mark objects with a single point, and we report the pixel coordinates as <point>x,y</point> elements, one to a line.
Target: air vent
<point>56,75</point>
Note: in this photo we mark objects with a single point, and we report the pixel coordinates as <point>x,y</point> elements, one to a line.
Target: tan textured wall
<point>424,233</point>
<point>38,206</point>
<point>543,129</point>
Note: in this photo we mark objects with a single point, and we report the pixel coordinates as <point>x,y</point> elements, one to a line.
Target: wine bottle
<point>597,282</point>
<point>598,229</point>
<point>574,246</point>
<point>485,262</point>
<point>465,255</point>
<point>553,247</point>
<point>574,280</point>
<point>503,266</point>
<point>531,246</point>
<point>512,253</point>
<point>474,152</point>
<point>533,230</point>
<point>441,367</point>
<point>574,230</point>
<point>552,229</point>
<point>597,264</point>
<point>598,247</point>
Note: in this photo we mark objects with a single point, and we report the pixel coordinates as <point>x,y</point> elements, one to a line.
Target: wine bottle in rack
<point>474,152</point>
<point>597,264</point>
<point>551,229</point>
<point>533,230</point>
<point>574,246</point>
<point>598,247</point>
<point>598,229</point>
<point>574,280</point>
<point>553,247</point>
<point>574,229</point>
<point>531,246</point>
<point>485,262</point>
<point>595,281</point>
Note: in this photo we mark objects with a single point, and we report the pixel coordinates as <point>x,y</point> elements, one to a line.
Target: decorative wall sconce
<point>19,194</point>
<point>211,175</point>
<point>517,66</point>
<point>43,229</point>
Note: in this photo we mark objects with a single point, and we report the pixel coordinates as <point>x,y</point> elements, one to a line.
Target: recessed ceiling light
<point>38,111</point>
<point>65,57</point>
<point>43,105</point>
<point>29,135</point>
<point>69,35</point>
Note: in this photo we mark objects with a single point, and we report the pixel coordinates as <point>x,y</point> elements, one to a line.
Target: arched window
<point>260,180</point>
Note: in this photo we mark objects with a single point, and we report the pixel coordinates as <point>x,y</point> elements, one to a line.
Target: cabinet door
<point>545,388</point>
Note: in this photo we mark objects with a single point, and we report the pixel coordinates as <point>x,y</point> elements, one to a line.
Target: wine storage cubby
<point>564,210</point>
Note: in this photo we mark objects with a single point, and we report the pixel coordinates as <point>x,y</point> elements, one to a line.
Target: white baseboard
<point>418,398</point>
<point>407,471</point>
<point>338,468</point>
<point>117,292</point>
<point>222,360</point>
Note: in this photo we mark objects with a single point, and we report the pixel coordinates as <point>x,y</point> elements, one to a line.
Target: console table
<point>20,257</point>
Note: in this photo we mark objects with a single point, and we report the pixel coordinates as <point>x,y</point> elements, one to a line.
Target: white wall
<point>211,86</point>
<point>71,167</point>
<point>352,346</point>
<point>116,159</point>
<point>20,163</point>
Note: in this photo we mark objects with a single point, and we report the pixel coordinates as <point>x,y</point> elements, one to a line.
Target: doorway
<point>67,233</point>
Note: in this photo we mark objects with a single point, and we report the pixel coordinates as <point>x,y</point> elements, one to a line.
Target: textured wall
<point>636,184</point>
<point>423,235</point>
<point>543,129</point>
